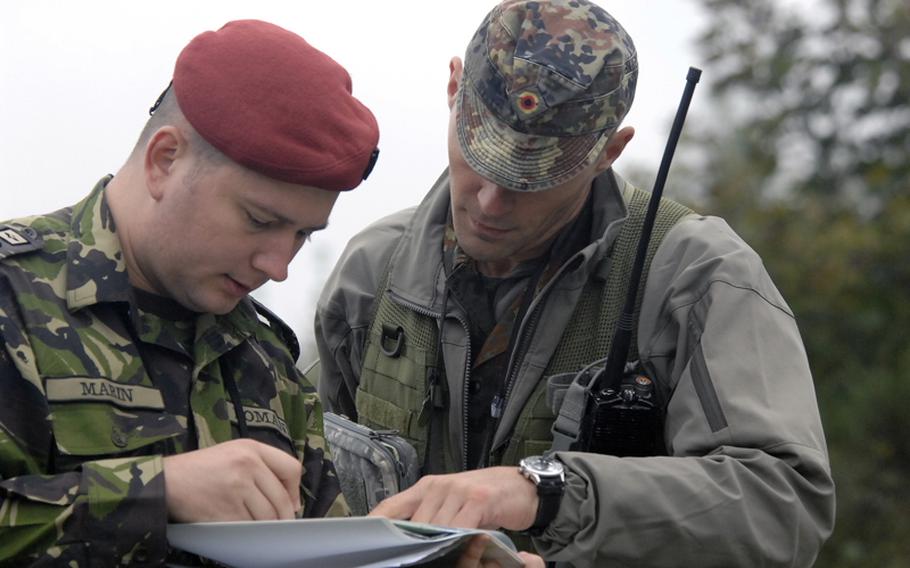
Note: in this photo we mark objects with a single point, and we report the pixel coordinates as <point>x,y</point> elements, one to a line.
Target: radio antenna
<point>619,348</point>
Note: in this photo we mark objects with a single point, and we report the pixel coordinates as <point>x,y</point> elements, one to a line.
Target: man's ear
<point>164,147</point>
<point>455,71</point>
<point>614,147</point>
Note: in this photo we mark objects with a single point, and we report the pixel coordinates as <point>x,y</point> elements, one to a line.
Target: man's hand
<point>472,554</point>
<point>491,498</point>
<point>239,480</point>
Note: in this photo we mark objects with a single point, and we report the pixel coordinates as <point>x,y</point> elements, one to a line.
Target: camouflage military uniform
<point>98,384</point>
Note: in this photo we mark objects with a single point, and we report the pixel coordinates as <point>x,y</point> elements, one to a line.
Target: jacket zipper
<point>467,367</point>
<point>707,394</point>
<point>526,331</point>
<point>499,402</point>
<point>528,325</point>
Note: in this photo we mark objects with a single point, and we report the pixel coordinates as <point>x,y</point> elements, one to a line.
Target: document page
<point>356,541</point>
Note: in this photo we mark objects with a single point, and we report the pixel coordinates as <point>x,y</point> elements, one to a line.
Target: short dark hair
<point>167,112</point>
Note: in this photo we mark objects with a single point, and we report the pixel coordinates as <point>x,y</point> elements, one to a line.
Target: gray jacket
<point>747,480</point>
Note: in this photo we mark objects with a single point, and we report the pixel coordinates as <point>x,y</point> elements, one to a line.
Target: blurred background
<point>805,150</point>
<point>799,135</point>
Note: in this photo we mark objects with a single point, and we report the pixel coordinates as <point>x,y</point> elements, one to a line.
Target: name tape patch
<point>75,389</point>
<point>261,418</point>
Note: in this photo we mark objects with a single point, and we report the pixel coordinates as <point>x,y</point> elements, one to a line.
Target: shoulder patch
<point>18,239</point>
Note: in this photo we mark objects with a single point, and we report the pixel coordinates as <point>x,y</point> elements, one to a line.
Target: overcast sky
<point>77,78</point>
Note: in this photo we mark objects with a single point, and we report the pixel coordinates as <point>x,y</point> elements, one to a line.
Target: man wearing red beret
<point>140,382</point>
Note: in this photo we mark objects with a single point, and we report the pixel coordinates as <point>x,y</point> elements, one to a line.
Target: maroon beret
<point>275,104</point>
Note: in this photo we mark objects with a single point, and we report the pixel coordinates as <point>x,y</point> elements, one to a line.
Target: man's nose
<point>274,257</point>
<point>494,201</point>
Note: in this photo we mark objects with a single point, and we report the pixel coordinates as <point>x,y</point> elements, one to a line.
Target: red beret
<point>275,104</point>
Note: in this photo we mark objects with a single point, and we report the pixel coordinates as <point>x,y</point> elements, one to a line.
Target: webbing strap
<point>570,391</point>
<point>567,426</point>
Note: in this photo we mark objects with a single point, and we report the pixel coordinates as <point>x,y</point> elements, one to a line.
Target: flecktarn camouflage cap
<point>545,85</point>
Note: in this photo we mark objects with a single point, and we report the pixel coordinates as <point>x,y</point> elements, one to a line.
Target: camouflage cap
<point>545,84</point>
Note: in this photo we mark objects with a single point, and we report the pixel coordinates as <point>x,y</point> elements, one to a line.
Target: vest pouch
<point>557,386</point>
<point>392,386</point>
<point>102,418</point>
<point>371,465</point>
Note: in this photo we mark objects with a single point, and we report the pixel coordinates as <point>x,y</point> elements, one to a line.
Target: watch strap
<point>549,494</point>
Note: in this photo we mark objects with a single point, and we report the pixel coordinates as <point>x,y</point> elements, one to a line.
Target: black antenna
<point>619,348</point>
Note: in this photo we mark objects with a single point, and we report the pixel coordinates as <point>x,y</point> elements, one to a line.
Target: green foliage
<point>823,91</point>
<point>810,165</point>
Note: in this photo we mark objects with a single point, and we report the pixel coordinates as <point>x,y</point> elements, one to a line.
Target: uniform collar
<point>96,271</point>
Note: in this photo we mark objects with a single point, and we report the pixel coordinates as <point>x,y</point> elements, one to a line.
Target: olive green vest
<point>393,380</point>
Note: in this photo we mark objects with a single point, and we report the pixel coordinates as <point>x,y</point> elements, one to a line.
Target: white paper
<point>328,543</point>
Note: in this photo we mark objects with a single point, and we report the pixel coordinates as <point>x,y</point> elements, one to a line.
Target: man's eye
<point>255,222</point>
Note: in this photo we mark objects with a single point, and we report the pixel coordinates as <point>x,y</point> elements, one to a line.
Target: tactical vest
<point>394,377</point>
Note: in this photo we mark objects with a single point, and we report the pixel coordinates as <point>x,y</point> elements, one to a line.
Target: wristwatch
<point>549,475</point>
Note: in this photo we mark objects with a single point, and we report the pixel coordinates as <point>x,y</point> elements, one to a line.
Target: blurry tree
<point>808,157</point>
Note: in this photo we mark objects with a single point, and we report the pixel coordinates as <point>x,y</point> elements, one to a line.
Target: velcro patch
<point>85,389</point>
<point>17,240</point>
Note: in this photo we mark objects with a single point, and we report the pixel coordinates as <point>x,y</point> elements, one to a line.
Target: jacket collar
<point>422,241</point>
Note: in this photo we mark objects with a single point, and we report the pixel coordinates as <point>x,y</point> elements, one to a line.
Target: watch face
<point>542,465</point>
